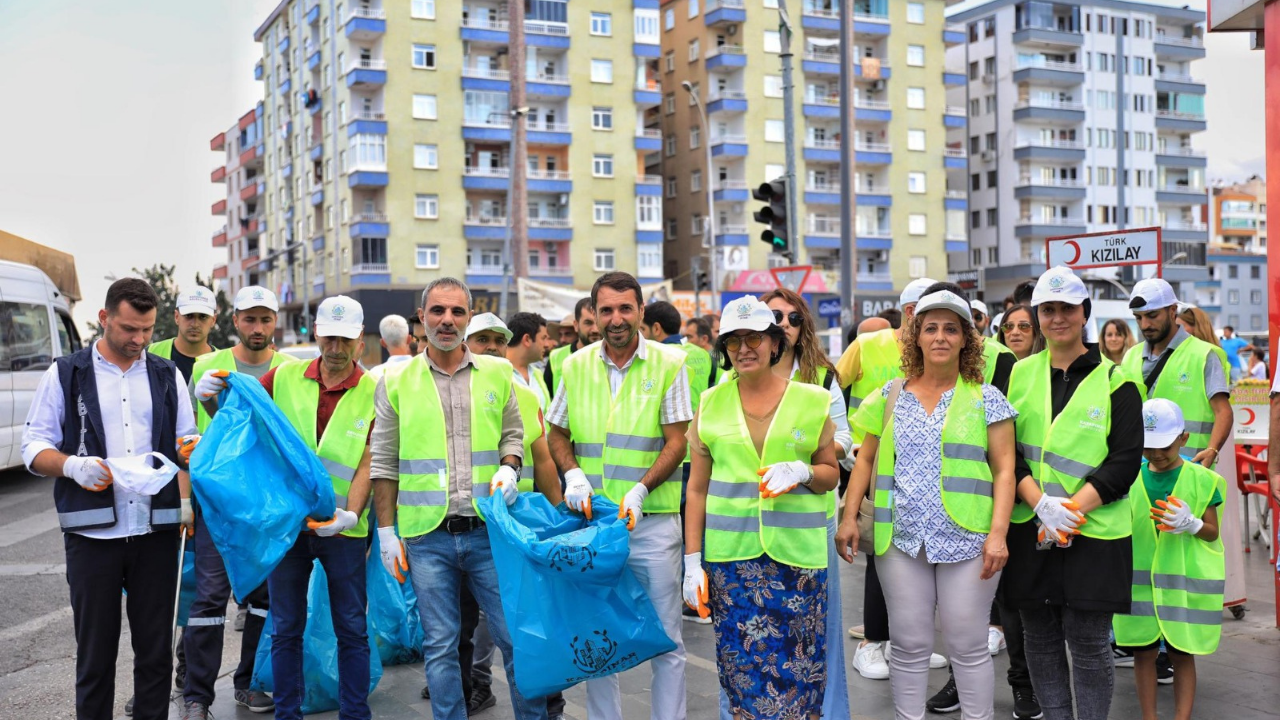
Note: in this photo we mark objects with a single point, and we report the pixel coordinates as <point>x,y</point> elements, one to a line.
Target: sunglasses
<point>1024,326</point>
<point>794,318</point>
<point>734,342</point>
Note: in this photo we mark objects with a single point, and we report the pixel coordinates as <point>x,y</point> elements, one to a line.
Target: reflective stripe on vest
<point>965,476</point>
<point>531,416</point>
<point>618,438</point>
<point>1178,579</point>
<point>880,361</point>
<point>1182,382</point>
<point>424,458</point>
<point>740,525</point>
<point>1065,450</point>
<point>224,360</point>
<point>342,446</point>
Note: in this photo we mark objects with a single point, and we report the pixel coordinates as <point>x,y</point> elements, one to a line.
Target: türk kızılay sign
<point>1107,249</point>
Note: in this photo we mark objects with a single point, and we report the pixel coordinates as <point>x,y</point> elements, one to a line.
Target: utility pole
<point>517,246</point>
<point>789,121</point>
<point>848,166</point>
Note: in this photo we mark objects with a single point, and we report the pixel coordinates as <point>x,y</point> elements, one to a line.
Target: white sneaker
<point>870,662</point>
<point>995,640</point>
<point>936,661</point>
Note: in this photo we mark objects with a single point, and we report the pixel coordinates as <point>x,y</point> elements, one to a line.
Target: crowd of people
<point>1033,491</point>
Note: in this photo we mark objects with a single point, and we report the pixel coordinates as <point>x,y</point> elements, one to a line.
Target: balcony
<point>726,57</point>
<point>874,153</point>
<point>365,24</point>
<point>558,273</point>
<point>220,272</point>
<point>368,176</point>
<point>953,78</point>
<point>730,234</point>
<point>1179,48</point>
<point>955,159</point>
<point>648,93</point>
<point>730,191</point>
<point>1048,36</point>
<point>218,142</point>
<point>1027,226</point>
<point>1055,189</point>
<point>648,140</point>
<point>821,150</point>
<point>550,228</point>
<point>821,62</point>
<point>1048,72</point>
<point>719,12</point>
<point>1180,121</point>
<point>249,261</point>
<point>550,222</point>
<point>726,101</point>
<point>220,207</point>
<point>1181,157</point>
<point>1055,112</point>
<point>956,200</point>
<point>549,181</point>
<point>1179,83</point>
<point>729,145</point>
<point>362,73</point>
<point>220,237</point>
<point>540,132</point>
<point>218,175</point>
<point>252,188</point>
<point>486,73</point>
<point>371,225</point>
<point>547,85</point>
<point>954,116</point>
<point>370,268</point>
<point>1180,195</point>
<point>1058,151</point>
<point>1185,231</point>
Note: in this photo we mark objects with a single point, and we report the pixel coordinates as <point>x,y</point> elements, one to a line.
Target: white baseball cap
<point>199,300</point>
<point>977,305</point>
<point>488,321</point>
<point>340,316</point>
<point>944,300</point>
<point>1162,423</point>
<point>745,313</point>
<point>914,289</point>
<point>1059,285</point>
<point>1152,294</point>
<point>252,296</point>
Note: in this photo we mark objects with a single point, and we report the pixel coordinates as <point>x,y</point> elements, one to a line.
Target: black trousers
<point>204,635</point>
<point>1015,642</point>
<point>146,568</point>
<point>875,613</point>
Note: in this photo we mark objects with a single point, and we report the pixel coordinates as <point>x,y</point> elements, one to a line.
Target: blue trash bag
<point>187,590</point>
<point>573,609</point>
<point>394,624</point>
<point>257,482</point>
<point>319,652</point>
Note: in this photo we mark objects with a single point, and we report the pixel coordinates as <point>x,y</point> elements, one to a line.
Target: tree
<point>160,278</point>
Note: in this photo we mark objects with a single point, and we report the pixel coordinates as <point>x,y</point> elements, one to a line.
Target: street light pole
<point>708,227</point>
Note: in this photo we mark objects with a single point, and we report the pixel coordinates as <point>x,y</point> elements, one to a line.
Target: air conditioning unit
<point>988,156</point>
<point>564,199</point>
<point>877,86</point>
<point>988,78</point>
<point>731,29</point>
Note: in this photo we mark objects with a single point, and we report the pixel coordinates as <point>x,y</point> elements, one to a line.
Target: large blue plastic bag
<point>319,652</point>
<point>394,624</point>
<point>257,482</point>
<point>187,590</point>
<point>574,611</point>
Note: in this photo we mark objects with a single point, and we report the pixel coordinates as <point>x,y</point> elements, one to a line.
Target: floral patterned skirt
<point>770,621</point>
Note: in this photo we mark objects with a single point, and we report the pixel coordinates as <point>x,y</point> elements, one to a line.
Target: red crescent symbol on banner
<point>1075,246</point>
<point>1252,416</point>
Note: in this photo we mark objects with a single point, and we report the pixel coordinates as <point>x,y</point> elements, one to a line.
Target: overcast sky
<point>108,109</point>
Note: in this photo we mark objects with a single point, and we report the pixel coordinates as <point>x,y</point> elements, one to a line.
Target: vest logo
<point>592,654</point>
<point>491,397</point>
<point>978,404</point>
<point>797,434</point>
<point>360,423</point>
<point>647,385</point>
<point>568,557</point>
<point>1095,413</point>
<point>1184,379</point>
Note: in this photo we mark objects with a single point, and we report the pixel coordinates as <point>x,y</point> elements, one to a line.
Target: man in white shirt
<point>94,412</point>
<point>394,330</point>
<point>529,344</point>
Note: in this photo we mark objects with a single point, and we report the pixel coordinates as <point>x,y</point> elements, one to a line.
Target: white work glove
<point>342,521</point>
<point>188,517</point>
<point>210,384</point>
<point>1059,517</point>
<point>781,478</point>
<point>505,480</point>
<point>186,445</point>
<point>392,549</point>
<point>632,505</point>
<point>577,491</point>
<point>89,472</point>
<point>695,584</point>
<point>1175,516</point>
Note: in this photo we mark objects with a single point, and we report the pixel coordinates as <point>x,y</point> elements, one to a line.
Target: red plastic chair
<point>1251,478</point>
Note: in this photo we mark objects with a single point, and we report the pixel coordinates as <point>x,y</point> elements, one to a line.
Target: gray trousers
<point>915,588</point>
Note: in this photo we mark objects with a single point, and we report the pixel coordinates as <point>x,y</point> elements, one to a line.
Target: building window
<point>772,41</point>
<point>427,257</point>
<point>369,152</point>
<point>426,207</point>
<point>1255,296</point>
<point>918,265</point>
<point>602,212</point>
<point>423,9</point>
<point>670,59</point>
<point>993,217</point>
<point>915,55</point>
<point>669,145</point>
<point>915,13</point>
<point>669,19</point>
<point>649,260</point>
<point>917,224</point>
<point>1233,297</point>
<point>673,229</point>
<point>602,118</point>
<point>991,179</point>
<point>695,138</point>
<point>602,166</point>
<point>484,259</point>
<point>424,57</point>
<point>601,71</point>
<point>975,222</point>
<point>695,224</point>
<point>915,98</point>
<point>915,182</point>
<point>425,157</point>
<point>602,260</point>
<point>671,187</point>
<point>773,86</point>
<point>424,107</point>
<point>1233,272</point>
<point>694,49</point>
<point>693,9</point>
<point>645,23</point>
<point>669,102</point>
<point>648,213</point>
<point>601,24</point>
<point>915,140</point>
<point>1255,272</point>
<point>774,131</point>
<point>695,181</point>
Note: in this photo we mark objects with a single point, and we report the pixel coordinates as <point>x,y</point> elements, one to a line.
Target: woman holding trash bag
<point>940,445</point>
<point>762,463</point>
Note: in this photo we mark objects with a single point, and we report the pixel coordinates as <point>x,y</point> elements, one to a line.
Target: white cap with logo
<point>1059,284</point>
<point>914,289</point>
<point>1162,423</point>
<point>745,313</point>
<point>340,316</point>
<point>978,305</point>
<point>1152,294</point>
<point>199,300</point>
<point>488,321</point>
<point>944,300</point>
<point>252,296</point>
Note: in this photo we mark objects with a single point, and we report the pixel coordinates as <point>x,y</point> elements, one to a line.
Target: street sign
<point>791,278</point>
<point>1140,246</point>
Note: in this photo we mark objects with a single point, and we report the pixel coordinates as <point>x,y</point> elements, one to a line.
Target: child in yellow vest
<point>1178,570</point>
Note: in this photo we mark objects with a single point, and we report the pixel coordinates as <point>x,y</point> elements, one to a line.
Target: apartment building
<point>240,170</point>
<point>388,144</point>
<point>1239,213</point>
<point>1081,118</point>
<point>1235,293</point>
<point>727,52</point>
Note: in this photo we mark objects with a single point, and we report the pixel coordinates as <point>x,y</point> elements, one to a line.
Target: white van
<point>35,328</point>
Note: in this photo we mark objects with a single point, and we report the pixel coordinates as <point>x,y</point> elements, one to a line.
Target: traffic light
<point>774,214</point>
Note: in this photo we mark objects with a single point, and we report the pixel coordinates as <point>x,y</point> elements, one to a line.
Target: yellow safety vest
<point>881,361</point>
<point>1065,450</point>
<point>616,439</point>
<point>991,351</point>
<point>967,487</point>
<point>341,448</point>
<point>424,458</point>
<point>531,415</point>
<point>1182,382</point>
<point>740,525</point>
<point>1178,579</point>
<point>224,360</point>
<point>164,349</point>
<point>556,361</point>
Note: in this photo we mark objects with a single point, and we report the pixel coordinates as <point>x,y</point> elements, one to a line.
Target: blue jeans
<point>439,562</point>
<point>343,560</point>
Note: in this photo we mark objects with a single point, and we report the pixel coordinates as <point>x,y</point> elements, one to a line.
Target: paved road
<point>37,660</point>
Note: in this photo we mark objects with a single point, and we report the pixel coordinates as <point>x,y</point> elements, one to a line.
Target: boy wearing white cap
<point>1174,365</point>
<point>1178,569</point>
<point>195,314</point>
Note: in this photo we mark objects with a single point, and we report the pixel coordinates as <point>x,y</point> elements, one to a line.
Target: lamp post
<point>708,227</point>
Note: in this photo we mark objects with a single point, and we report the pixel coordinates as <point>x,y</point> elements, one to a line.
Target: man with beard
<point>448,432</point>
<point>195,315</point>
<point>255,323</point>
<point>617,426</point>
<point>566,333</point>
<point>586,331</point>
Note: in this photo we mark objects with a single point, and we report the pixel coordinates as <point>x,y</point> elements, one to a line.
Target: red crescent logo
<point>1252,416</point>
<point>1076,246</point>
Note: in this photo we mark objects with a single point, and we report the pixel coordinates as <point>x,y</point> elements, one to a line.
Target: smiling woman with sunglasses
<point>1020,331</point>
<point>762,464</point>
